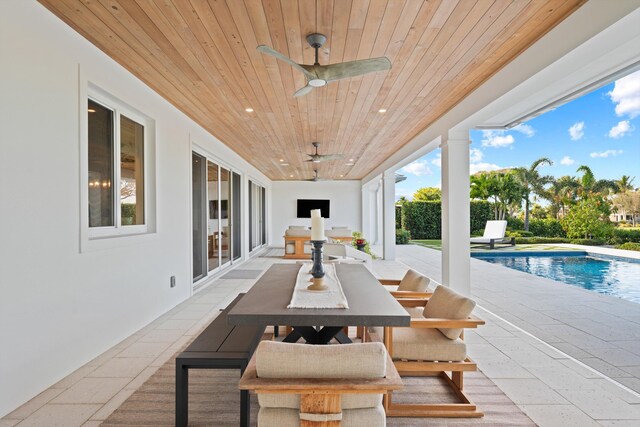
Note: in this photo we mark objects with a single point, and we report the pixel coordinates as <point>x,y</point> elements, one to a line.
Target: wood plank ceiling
<point>201,56</point>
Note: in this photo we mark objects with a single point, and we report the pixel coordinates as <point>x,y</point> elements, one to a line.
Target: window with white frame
<point>117,140</point>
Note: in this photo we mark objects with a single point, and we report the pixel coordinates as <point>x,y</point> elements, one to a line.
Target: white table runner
<point>332,298</point>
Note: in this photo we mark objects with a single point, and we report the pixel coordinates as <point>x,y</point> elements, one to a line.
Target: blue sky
<point>600,130</point>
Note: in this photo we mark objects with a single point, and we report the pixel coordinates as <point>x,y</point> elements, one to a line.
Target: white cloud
<point>496,139</point>
<point>619,130</point>
<point>605,154</point>
<point>526,130</point>
<point>418,168</point>
<point>483,167</point>
<point>576,131</point>
<point>475,155</point>
<point>400,192</point>
<point>567,161</point>
<point>626,95</point>
<point>437,161</point>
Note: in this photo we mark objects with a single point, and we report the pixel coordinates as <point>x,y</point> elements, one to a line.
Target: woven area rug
<point>214,400</point>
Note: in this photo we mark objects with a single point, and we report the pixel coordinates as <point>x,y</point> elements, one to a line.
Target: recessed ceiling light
<point>341,176</point>
<point>91,110</point>
<point>290,176</point>
<point>382,110</point>
<point>282,160</point>
<point>351,160</point>
<point>249,110</point>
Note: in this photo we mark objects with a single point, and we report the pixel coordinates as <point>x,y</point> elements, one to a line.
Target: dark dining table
<point>370,304</point>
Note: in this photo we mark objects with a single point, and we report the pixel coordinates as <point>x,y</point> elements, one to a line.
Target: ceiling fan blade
<point>303,91</point>
<point>329,157</point>
<point>271,52</point>
<point>345,70</point>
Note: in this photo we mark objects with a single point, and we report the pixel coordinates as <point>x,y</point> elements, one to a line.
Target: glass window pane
<point>225,234</point>
<point>100,153</point>
<point>199,184</point>
<point>214,215</point>
<point>131,172</point>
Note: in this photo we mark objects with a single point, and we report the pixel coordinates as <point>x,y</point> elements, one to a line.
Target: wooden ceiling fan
<point>319,75</point>
<point>319,158</point>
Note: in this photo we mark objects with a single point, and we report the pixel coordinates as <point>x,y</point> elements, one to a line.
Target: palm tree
<point>625,183</point>
<point>562,192</point>
<point>590,186</point>
<point>532,182</point>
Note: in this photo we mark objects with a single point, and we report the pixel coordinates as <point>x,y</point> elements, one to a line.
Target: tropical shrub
<point>398,216</point>
<point>588,219</point>
<point>402,236</point>
<point>629,246</point>
<point>624,235</point>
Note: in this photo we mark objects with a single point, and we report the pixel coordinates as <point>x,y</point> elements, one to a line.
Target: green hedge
<point>629,246</point>
<point>531,240</point>
<point>624,235</point>
<point>402,236</point>
<point>548,227</point>
<point>398,217</point>
<point>423,219</point>
<point>588,242</point>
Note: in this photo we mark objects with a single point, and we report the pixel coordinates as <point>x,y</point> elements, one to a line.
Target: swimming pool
<point>615,276</point>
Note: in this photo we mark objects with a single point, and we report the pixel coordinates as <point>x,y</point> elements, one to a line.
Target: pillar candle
<point>317,228</point>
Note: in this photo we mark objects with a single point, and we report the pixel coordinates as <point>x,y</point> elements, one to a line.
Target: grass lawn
<point>433,244</point>
<point>437,244</point>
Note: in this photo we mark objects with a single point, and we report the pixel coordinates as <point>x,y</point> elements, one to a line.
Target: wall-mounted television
<point>305,206</point>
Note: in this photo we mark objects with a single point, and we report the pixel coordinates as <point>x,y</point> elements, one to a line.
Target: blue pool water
<point>607,275</point>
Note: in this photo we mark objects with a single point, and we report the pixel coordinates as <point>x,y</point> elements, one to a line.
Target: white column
<point>373,214</point>
<point>455,212</point>
<point>366,212</point>
<point>389,215</point>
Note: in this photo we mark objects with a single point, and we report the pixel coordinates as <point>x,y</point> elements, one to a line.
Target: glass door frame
<point>195,149</point>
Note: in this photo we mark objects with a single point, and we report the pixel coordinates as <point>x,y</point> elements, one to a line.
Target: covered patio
<point>169,156</point>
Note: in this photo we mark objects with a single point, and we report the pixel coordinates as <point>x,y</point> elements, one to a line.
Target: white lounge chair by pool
<point>494,233</point>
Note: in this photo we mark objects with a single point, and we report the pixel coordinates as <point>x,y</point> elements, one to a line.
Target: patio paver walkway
<point>551,388</point>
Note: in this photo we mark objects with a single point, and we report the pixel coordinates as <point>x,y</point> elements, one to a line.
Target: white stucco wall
<point>345,207</point>
<point>61,306</point>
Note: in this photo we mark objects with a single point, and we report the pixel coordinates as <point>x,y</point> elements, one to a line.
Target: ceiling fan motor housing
<point>316,40</point>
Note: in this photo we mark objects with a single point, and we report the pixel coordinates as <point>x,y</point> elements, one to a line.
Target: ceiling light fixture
<point>382,110</point>
<point>91,110</point>
<point>282,160</point>
<point>290,176</point>
<point>249,110</point>
<point>351,160</point>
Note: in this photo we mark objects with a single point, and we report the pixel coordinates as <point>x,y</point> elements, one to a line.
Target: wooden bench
<point>219,346</point>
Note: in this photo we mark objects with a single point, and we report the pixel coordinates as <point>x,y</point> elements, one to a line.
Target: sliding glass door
<point>217,216</point>
<point>199,215</point>
<point>236,216</point>
<point>257,215</point>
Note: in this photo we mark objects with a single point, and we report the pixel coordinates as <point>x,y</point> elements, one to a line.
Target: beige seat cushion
<point>448,304</point>
<point>338,233</point>
<point>414,281</point>
<point>285,360</point>
<point>280,417</point>
<point>292,401</point>
<point>426,344</point>
<point>290,248</point>
<point>298,233</point>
